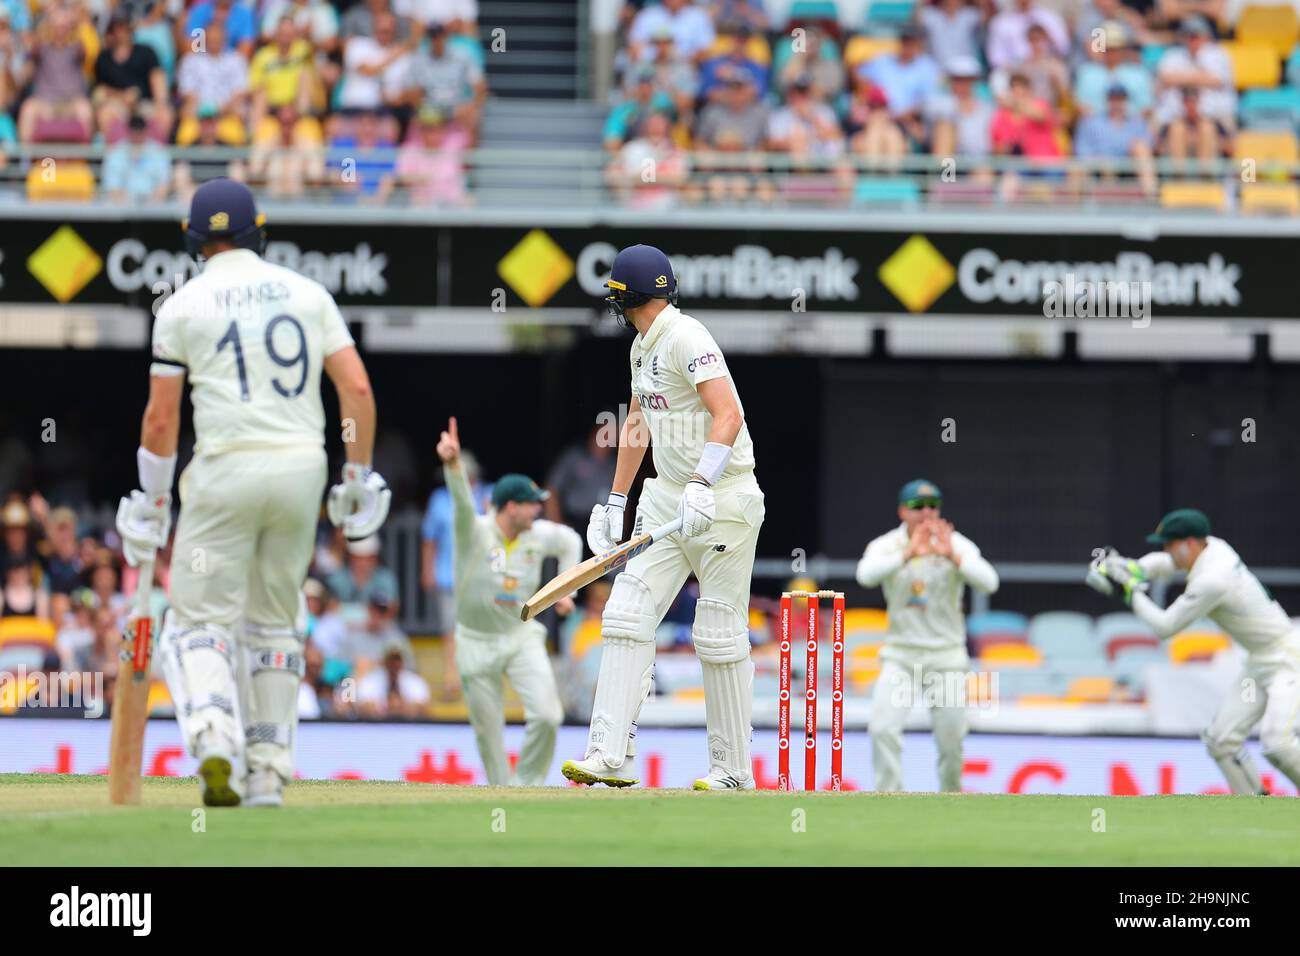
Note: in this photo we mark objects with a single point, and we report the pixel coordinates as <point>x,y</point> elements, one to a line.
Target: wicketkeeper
<point>683,395</point>
<point>1222,588</point>
<point>922,566</point>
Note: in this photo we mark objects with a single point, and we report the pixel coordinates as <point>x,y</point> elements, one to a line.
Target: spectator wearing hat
<point>729,132</point>
<point>215,76</point>
<point>1117,134</point>
<point>430,165</point>
<point>690,22</point>
<point>952,29</point>
<point>364,577</point>
<point>960,120</point>
<point>908,78</point>
<point>58,99</point>
<point>1094,24</point>
<point>730,56</point>
<point>62,560</point>
<point>1198,63</point>
<point>392,690</point>
<point>138,170</point>
<point>447,78</point>
<point>674,74</point>
<point>873,131</point>
<point>1117,66</point>
<point>129,80</point>
<point>19,545</point>
<point>642,99</point>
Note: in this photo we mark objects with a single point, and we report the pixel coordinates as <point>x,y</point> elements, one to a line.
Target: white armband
<point>713,461</point>
<point>156,472</point>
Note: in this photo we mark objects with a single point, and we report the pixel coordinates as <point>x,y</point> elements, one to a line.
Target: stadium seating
<point>1193,195</point>
<point>862,49</point>
<point>1197,646</point>
<point>889,14</point>
<point>886,190</point>
<point>1272,25</point>
<point>1063,635</point>
<point>1011,655</point>
<point>1280,198</point>
<point>1253,64</point>
<point>1271,109</point>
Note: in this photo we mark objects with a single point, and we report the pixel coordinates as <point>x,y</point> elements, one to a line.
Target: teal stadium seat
<point>890,13</point>
<point>814,10</point>
<point>1151,54</point>
<point>784,49</point>
<point>1278,108</point>
<point>1293,67</point>
<point>1064,635</point>
<point>1009,622</point>
<point>886,190</point>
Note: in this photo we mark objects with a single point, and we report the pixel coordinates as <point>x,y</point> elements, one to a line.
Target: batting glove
<point>605,528</point>
<point>1116,576</point>
<point>143,522</point>
<point>697,509</point>
<point>359,504</point>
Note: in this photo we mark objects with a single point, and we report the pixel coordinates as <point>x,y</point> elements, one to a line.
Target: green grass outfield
<point>51,820</point>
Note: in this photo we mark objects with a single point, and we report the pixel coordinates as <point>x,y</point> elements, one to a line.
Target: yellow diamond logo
<point>64,263</point>
<point>917,274</point>
<point>536,268</point>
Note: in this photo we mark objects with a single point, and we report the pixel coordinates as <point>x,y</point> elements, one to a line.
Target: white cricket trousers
<point>1267,693</point>
<point>483,660</point>
<point>911,675</point>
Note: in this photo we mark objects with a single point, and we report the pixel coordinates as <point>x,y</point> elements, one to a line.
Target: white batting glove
<point>605,528</point>
<point>697,509</point>
<point>359,504</point>
<point>143,522</point>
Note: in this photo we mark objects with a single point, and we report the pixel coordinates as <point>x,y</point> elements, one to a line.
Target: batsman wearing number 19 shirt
<point>252,338</point>
<point>683,395</point>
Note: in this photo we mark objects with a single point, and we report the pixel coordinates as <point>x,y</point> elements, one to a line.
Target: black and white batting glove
<point>359,504</point>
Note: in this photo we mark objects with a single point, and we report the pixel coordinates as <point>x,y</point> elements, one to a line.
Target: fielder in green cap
<point>922,566</point>
<point>498,566</point>
<point>1222,588</point>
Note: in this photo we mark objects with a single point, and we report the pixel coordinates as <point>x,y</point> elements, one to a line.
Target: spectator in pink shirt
<point>430,164</point>
<point>1026,125</point>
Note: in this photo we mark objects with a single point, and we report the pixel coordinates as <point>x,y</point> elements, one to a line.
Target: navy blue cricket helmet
<point>640,273</point>
<point>224,209</point>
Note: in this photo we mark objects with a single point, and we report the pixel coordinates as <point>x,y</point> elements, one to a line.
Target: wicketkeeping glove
<point>1116,576</point>
<point>143,522</point>
<point>359,504</point>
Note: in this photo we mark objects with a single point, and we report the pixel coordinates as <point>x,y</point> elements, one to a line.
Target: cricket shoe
<point>594,769</point>
<point>265,789</point>
<point>719,779</point>
<point>217,770</point>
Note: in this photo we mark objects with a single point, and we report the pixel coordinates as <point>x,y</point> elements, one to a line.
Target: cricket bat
<point>580,575</point>
<point>131,698</point>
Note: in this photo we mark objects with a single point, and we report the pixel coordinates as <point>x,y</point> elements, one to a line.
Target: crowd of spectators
<point>1093,88</point>
<point>361,95</point>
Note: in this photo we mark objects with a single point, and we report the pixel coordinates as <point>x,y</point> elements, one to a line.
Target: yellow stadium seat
<point>862,676</point>
<point>1193,196</point>
<point>757,620</point>
<point>1045,700</point>
<point>756,49</point>
<point>1013,655</point>
<point>1276,26</point>
<point>867,651</point>
<point>586,637</point>
<point>68,180</point>
<point>1091,690</point>
<point>1254,64</point>
<point>1197,646</point>
<point>1271,197</point>
<point>27,629</point>
<point>689,693</point>
<point>1266,146</point>
<point>865,619</point>
<point>863,49</point>
<point>159,696</point>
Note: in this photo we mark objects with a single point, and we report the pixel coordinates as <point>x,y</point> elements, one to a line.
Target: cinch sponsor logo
<point>984,276</point>
<point>747,272</point>
<point>132,910</point>
<point>708,358</point>
<point>655,401</point>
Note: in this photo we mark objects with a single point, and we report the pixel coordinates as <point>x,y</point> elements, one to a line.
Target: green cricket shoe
<point>593,770</point>
<point>221,788</point>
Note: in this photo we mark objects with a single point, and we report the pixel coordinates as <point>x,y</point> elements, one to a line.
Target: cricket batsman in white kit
<point>922,566</point>
<point>499,559</point>
<point>683,395</point>
<point>252,338</point>
<point>1222,588</point>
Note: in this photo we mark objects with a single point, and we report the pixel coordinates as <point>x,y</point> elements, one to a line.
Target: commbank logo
<point>130,910</point>
<point>917,274</point>
<point>536,268</point>
<point>64,263</point>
